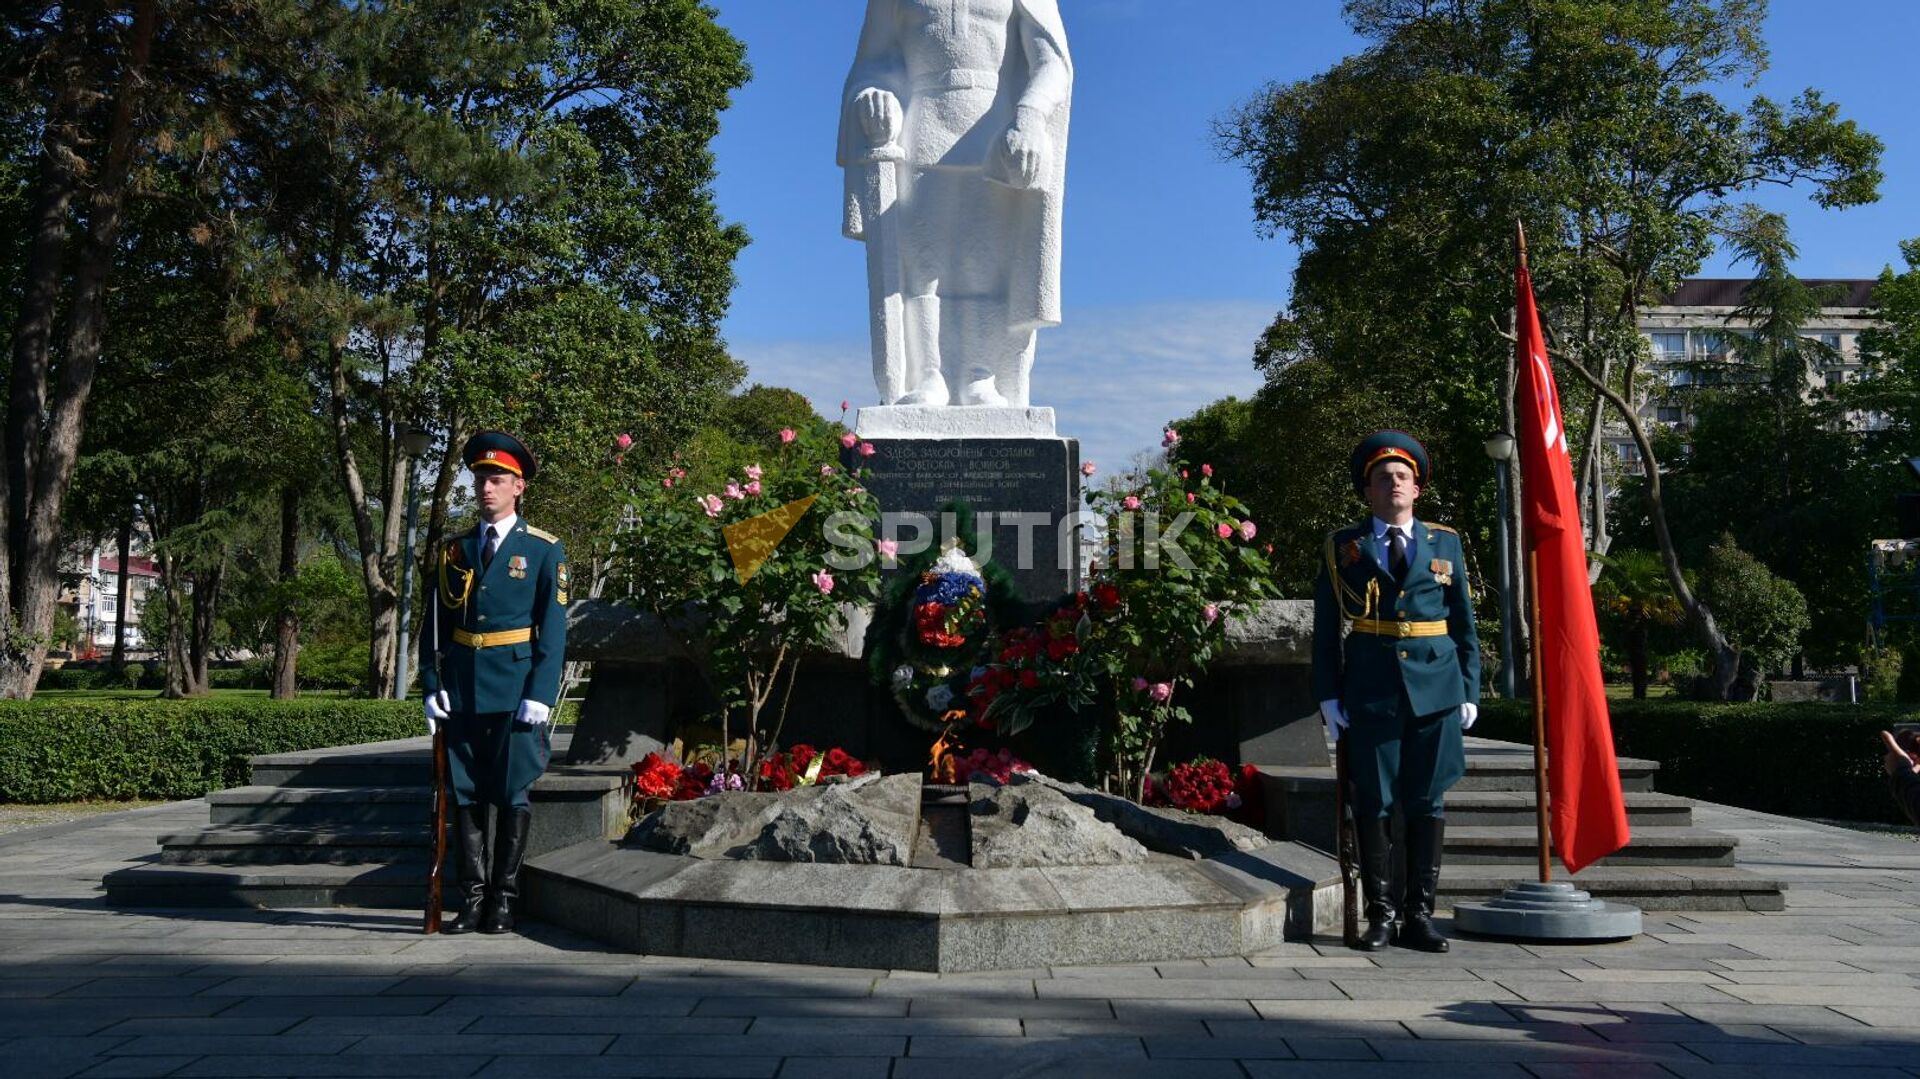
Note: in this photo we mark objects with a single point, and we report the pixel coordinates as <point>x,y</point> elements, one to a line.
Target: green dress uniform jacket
<point>1402,693</point>
<point>522,592</point>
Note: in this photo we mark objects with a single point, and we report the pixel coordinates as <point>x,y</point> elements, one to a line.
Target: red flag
<point>1589,818</point>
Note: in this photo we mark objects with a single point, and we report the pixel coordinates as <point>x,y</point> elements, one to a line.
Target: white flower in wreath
<point>955,560</point>
<point>902,676</point>
<point>940,697</point>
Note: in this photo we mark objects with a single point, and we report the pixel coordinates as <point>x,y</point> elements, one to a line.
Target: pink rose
<point>823,580</point>
<point>1247,531</point>
<point>1170,437</point>
<point>887,548</point>
<point>667,482</point>
<point>787,435</point>
<point>623,441</point>
<point>733,491</point>
<point>848,440</point>
<point>753,472</point>
<point>1139,684</point>
<point>1210,613</point>
<point>1223,529</point>
<point>679,473</point>
<point>711,504</point>
<point>1161,691</point>
<point>753,488</point>
<point>1183,473</point>
<point>867,450</point>
<point>1087,468</point>
<point>1189,498</point>
<point>843,405</point>
<point>856,490</point>
<point>826,470</point>
<point>1206,470</point>
<point>1132,502</point>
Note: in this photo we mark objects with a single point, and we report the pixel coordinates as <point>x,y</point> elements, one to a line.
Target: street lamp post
<point>414,442</point>
<point>1499,446</point>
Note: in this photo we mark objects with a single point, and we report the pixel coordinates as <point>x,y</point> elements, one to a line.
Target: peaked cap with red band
<point>499,450</point>
<point>1390,446</point>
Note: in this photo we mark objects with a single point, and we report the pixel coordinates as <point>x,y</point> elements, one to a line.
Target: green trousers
<point>1402,761</point>
<point>491,760</point>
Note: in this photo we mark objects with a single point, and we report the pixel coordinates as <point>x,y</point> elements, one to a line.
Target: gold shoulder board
<point>541,533</point>
<point>1444,528</point>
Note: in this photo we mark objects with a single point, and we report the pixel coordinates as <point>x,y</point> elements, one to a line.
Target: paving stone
<point>1115,1028</point>
<point>136,1067</point>
<point>1063,1065</point>
<point>632,1006</point>
<point>139,987</point>
<point>1872,995</point>
<point>1520,1051</point>
<point>1466,1011</point>
<point>231,1045</point>
<point>1663,993</point>
<point>810,1045</point>
<point>327,1067</point>
<point>303,986</point>
<point>1769,1014</point>
<point>265,1024</point>
<point>871,1007</point>
<point>1003,1048</point>
<point>1415,989</point>
<point>1788,1055</point>
<point>1645,975</point>
<point>632,1067</point>
<point>1292,1029</point>
<point>1311,1048</point>
<point>1308,1069</point>
<point>361,1026</point>
<point>1220,1048</point>
<point>1022,1008</point>
<point>304,1006</point>
<point>1186,989</point>
<point>837,1068</point>
<point>1432,1030</point>
<point>969,1026</point>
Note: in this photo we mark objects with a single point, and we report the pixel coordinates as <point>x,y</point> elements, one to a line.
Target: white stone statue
<point>953,135</point>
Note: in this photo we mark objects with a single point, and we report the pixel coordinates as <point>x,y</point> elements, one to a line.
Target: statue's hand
<point>1027,147</point>
<point>879,113</point>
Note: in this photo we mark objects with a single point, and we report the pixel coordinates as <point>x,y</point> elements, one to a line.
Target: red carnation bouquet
<point>804,765</point>
<point>1204,785</point>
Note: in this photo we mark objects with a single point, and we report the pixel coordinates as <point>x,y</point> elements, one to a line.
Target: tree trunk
<point>286,644</point>
<point>38,571</point>
<point>179,676</point>
<point>1699,615</point>
<point>206,601</point>
<point>122,591</point>
<point>1637,662</point>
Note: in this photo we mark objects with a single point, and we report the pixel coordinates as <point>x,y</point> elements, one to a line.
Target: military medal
<point>1350,553</point>
<point>1442,570</point>
<point>517,566</point>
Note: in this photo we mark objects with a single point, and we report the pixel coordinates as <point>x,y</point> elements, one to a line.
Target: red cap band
<point>499,459</point>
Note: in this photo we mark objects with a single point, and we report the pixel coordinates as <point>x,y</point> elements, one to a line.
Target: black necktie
<point>1396,553</point>
<point>486,549</point>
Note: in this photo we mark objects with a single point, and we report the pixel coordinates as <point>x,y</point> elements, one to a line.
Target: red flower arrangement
<point>655,776</point>
<point>1000,765</point>
<point>1209,786</point>
<point>803,765</point>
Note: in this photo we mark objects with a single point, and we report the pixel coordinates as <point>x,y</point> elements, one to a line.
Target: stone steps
<point>1479,808</point>
<point>348,826</point>
<point>1647,887</point>
<point>1519,845</point>
<point>274,844</point>
<point>1508,766</point>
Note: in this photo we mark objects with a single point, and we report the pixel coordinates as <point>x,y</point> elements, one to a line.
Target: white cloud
<point>1113,375</point>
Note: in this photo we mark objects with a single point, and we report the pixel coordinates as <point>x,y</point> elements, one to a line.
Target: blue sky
<point>1166,282</point>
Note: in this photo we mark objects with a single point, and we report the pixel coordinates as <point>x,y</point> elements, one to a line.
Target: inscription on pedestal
<point>1025,493</point>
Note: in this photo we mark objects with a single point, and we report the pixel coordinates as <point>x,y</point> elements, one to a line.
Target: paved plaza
<point>1830,985</point>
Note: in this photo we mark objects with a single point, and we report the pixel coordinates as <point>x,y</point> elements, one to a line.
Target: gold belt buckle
<point>1406,628</point>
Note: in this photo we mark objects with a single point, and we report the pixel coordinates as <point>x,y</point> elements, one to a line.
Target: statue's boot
<point>470,832</point>
<point>1424,838</point>
<point>980,389</point>
<point>927,385</point>
<point>510,849</point>
<point>1372,835</point>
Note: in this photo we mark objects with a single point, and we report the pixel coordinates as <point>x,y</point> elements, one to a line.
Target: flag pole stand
<point>1546,909</point>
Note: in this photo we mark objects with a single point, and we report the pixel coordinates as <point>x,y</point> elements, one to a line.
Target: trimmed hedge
<point>57,750</point>
<point>1797,760</point>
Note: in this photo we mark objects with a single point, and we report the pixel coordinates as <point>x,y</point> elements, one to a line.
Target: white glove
<point>1334,716</point>
<point>1468,713</point>
<point>438,705</point>
<point>533,712</point>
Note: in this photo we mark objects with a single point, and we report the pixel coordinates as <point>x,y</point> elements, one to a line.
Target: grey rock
<point>1169,831</point>
<point>1032,825</point>
<point>847,823</point>
<point>865,821</point>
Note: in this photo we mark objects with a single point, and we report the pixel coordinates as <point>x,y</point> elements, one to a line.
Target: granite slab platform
<point>941,920</point>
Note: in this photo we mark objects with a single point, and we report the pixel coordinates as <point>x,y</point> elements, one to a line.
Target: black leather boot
<point>470,831</point>
<point>1424,836</point>
<point>510,849</point>
<point>1372,836</point>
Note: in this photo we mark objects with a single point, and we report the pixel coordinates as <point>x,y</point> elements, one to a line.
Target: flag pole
<point>1539,721</point>
<point>1533,634</point>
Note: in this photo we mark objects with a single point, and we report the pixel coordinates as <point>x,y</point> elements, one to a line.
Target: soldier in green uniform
<point>1402,685</point>
<point>490,665</point>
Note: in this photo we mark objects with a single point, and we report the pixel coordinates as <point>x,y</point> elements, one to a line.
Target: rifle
<point>1348,844</point>
<point>440,792</point>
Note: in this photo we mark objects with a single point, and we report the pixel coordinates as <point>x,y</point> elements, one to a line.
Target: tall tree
<point>1401,170</point>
